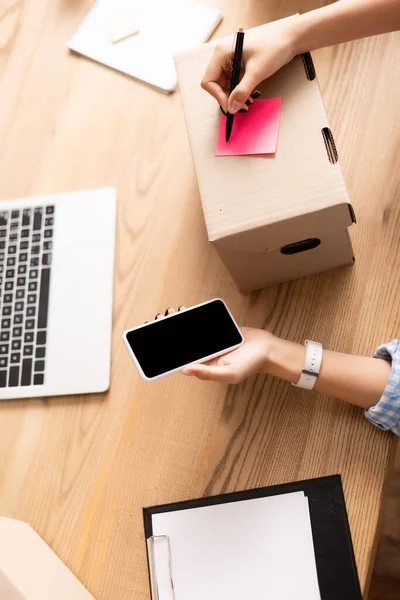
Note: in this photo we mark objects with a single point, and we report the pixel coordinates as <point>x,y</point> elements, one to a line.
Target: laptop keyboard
<point>26,244</point>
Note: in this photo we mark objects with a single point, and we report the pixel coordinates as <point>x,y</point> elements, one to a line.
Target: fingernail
<point>145,322</point>
<point>222,110</point>
<point>243,110</point>
<point>167,311</point>
<point>188,373</point>
<point>157,315</point>
<point>234,106</point>
<point>179,307</point>
<point>249,101</point>
<point>256,94</point>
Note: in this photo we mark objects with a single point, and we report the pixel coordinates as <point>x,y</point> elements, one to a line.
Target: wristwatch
<point>311,367</point>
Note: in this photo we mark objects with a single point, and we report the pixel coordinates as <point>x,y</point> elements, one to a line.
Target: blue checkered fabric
<point>386,413</point>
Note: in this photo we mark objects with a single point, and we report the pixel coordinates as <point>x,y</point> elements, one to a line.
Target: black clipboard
<point>334,554</point>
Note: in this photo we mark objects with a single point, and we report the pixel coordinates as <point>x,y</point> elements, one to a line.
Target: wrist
<point>285,359</point>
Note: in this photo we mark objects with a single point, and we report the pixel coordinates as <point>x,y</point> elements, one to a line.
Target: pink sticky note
<point>254,132</point>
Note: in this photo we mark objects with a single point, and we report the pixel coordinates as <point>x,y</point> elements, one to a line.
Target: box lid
<point>243,193</point>
<point>29,569</point>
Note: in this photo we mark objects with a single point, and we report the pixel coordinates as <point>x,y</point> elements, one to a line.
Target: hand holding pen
<point>266,49</point>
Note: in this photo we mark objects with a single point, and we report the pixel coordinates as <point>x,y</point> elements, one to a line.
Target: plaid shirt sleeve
<point>386,413</point>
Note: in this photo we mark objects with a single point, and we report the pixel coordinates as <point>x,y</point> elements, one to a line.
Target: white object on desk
<point>166,27</point>
<point>29,569</point>
<point>124,20</point>
<point>258,548</point>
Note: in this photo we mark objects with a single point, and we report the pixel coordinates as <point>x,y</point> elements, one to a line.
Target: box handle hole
<point>308,66</point>
<point>330,145</point>
<point>301,246</point>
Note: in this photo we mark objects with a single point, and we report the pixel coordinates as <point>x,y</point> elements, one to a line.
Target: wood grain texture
<point>80,469</point>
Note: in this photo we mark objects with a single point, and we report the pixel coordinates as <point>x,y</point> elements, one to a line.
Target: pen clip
<point>152,566</point>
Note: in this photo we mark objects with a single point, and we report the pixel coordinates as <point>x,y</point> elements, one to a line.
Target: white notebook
<point>166,27</point>
<point>258,548</point>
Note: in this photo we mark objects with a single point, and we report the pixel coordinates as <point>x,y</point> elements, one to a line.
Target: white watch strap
<point>312,365</point>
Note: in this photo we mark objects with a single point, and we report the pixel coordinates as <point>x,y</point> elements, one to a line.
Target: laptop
<point>56,293</point>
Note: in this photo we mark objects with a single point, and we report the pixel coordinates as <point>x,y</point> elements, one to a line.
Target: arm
<point>269,47</point>
<point>359,380</point>
<point>356,379</point>
<point>344,21</point>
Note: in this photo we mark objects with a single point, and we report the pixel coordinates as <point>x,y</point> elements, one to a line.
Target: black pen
<point>237,62</point>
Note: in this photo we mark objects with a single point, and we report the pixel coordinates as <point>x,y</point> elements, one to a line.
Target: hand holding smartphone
<point>197,334</point>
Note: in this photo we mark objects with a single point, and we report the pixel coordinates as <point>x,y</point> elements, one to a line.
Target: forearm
<point>343,21</point>
<point>355,379</point>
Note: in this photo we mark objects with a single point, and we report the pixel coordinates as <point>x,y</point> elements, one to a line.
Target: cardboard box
<point>29,569</point>
<point>278,217</point>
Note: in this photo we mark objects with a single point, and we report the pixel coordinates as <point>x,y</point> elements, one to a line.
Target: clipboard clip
<point>152,566</point>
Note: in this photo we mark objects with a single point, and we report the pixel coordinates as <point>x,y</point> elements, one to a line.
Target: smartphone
<point>193,335</point>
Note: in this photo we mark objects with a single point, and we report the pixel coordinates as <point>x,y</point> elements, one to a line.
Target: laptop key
<point>26,376</point>
<point>19,306</point>
<point>28,350</point>
<point>13,378</point>
<point>14,214</point>
<point>28,337</point>
<point>3,362</point>
<point>38,379</point>
<point>15,357</point>
<point>37,218</point>
<point>44,298</point>
<point>11,261</point>
<point>39,365</point>
<point>48,245</point>
<point>46,259</point>
<point>40,352</point>
<point>5,323</point>
<point>17,332</point>
<point>4,336</point>
<point>36,238</point>
<point>34,261</point>
<point>3,349</point>
<point>49,210</point>
<point>16,345</point>
<point>24,245</point>
<point>30,324</point>
<point>31,311</point>
<point>18,318</point>
<point>41,338</point>
<point>9,286</point>
<point>32,286</point>
<point>7,310</point>
<point>3,378</point>
<point>23,257</point>
<point>26,217</point>
<point>24,233</point>
<point>20,294</point>
<point>48,233</point>
<point>4,218</point>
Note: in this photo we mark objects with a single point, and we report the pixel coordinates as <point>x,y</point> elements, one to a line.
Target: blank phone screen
<point>189,336</point>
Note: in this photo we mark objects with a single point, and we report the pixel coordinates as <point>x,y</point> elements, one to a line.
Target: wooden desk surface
<point>80,469</point>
